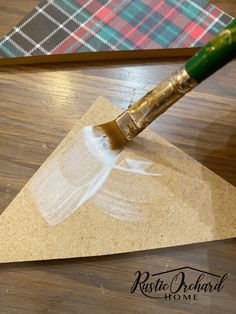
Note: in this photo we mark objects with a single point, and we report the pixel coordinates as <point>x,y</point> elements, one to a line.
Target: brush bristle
<point>116,138</point>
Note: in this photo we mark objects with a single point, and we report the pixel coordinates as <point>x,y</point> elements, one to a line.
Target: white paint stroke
<point>124,197</point>
<point>137,166</point>
<point>118,207</point>
<point>79,172</point>
<point>72,177</point>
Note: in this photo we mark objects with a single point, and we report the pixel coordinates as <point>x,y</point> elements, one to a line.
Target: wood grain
<point>11,13</point>
<point>38,106</point>
<point>228,6</point>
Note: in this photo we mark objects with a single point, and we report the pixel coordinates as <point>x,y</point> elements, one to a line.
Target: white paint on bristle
<point>71,178</point>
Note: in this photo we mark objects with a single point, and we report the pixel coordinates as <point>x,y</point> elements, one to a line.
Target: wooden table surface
<point>39,105</point>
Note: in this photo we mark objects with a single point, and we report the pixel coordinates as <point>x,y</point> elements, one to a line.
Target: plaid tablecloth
<point>74,26</point>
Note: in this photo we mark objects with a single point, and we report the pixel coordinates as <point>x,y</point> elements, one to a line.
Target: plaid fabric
<point>70,26</point>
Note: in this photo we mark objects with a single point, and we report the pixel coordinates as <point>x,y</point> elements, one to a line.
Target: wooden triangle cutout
<point>133,211</point>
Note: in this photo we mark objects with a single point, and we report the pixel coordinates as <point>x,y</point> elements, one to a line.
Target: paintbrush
<point>82,166</point>
<point>117,133</point>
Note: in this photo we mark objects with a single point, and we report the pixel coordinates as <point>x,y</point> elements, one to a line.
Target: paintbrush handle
<point>209,59</point>
<point>214,55</point>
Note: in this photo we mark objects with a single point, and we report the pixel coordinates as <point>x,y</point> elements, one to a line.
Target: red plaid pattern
<point>74,26</point>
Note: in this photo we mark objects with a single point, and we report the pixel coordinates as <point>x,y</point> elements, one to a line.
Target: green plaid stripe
<point>73,26</point>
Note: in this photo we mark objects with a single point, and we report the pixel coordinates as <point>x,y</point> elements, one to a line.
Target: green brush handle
<point>209,59</point>
<point>214,55</point>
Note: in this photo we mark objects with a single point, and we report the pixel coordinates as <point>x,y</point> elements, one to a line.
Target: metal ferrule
<point>140,114</point>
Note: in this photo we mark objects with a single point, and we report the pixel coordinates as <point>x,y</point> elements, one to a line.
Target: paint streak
<point>79,172</point>
<point>137,166</point>
<point>124,198</point>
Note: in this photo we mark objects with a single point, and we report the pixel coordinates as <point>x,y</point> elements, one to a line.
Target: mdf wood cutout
<point>156,196</point>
